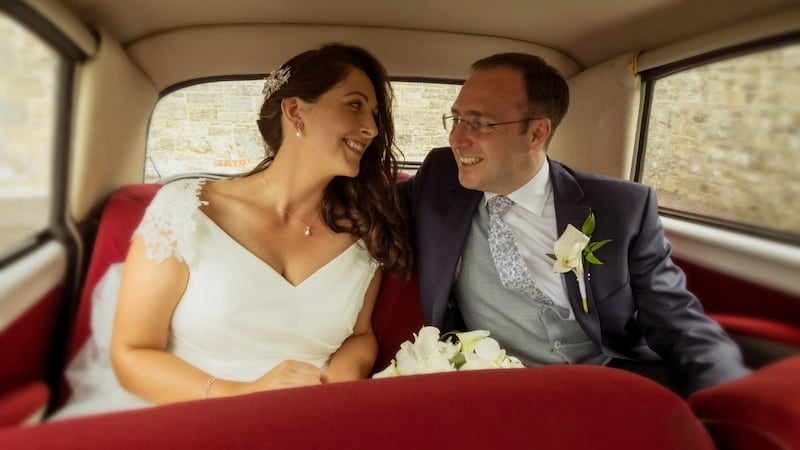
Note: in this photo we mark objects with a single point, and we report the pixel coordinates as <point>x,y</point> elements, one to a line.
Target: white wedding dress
<point>237,318</point>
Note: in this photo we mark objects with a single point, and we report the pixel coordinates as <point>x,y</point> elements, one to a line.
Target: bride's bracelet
<point>208,387</point>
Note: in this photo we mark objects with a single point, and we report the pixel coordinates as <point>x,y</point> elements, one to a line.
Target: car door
<point>38,250</point>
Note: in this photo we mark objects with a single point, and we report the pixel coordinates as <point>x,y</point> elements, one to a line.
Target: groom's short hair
<point>546,88</point>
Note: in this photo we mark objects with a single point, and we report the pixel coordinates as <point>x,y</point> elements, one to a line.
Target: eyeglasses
<point>451,121</point>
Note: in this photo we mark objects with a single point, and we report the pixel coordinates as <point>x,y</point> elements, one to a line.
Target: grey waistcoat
<point>537,334</point>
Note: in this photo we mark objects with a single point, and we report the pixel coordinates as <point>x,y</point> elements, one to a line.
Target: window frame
<point>648,79</point>
<point>71,55</point>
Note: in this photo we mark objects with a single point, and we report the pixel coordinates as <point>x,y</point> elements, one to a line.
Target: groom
<point>485,213</point>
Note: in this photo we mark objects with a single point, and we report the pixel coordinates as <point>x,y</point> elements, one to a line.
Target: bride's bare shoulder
<point>231,203</point>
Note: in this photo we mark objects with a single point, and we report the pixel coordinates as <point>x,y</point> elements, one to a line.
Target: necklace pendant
<point>308,231</point>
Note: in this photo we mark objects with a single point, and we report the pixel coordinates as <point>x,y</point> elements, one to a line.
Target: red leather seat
<point>760,411</point>
<point>548,408</point>
<point>558,407</point>
<point>24,405</point>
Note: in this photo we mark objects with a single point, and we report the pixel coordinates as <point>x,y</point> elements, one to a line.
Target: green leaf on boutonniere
<point>590,258</point>
<point>552,256</point>
<point>588,252</point>
<point>588,225</point>
<point>595,245</point>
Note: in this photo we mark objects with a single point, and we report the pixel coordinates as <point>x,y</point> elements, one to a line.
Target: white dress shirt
<point>532,219</point>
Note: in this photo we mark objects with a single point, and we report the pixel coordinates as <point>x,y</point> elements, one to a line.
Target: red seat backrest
<point>121,215</point>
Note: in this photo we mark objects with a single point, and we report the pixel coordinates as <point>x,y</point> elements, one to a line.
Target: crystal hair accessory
<point>275,80</point>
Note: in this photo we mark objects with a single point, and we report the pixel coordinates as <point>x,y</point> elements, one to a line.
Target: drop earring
<point>299,132</point>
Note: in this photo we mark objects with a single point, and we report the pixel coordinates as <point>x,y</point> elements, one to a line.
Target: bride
<point>267,280</point>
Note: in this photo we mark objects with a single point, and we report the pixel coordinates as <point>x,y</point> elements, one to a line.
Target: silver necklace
<point>307,231</point>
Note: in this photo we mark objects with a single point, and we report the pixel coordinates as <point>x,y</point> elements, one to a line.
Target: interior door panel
<point>30,294</point>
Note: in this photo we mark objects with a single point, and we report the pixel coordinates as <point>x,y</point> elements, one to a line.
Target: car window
<point>418,116</point>
<point>211,127</point>
<point>723,141</point>
<point>29,81</point>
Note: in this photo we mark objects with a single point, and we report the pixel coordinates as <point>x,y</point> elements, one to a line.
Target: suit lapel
<point>446,216</point>
<point>460,207</point>
<point>568,199</point>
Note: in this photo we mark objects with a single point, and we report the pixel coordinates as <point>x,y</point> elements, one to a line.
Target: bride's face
<point>340,126</point>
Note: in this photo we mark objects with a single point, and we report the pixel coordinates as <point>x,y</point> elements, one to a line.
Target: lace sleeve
<point>168,223</point>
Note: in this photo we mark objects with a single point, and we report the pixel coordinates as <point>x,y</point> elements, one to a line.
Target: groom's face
<point>498,158</point>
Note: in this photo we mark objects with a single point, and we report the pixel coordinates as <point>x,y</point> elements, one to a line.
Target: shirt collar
<point>532,195</point>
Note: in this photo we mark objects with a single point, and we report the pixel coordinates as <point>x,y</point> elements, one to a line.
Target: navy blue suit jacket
<point>639,307</point>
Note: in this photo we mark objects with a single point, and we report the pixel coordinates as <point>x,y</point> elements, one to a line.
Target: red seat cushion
<point>760,411</point>
<point>554,408</point>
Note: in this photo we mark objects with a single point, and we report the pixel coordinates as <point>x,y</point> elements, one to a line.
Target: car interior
<point>113,61</point>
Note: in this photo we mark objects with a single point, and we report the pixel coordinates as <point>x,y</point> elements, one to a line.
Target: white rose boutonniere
<point>572,248</point>
<point>430,353</point>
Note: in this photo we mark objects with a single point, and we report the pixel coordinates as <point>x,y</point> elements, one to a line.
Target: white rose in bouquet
<point>430,353</point>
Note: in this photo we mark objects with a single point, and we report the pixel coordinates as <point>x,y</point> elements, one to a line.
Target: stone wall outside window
<point>29,81</point>
<point>724,140</point>
<point>211,127</point>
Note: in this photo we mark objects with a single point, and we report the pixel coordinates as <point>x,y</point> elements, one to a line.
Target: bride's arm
<point>355,357</point>
<point>149,293</point>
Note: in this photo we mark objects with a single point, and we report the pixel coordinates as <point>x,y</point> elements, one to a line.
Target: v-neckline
<point>264,263</point>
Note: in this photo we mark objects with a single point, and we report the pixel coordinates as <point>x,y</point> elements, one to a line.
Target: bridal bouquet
<point>431,353</point>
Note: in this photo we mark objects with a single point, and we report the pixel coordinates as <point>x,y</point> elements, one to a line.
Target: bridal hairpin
<point>275,80</point>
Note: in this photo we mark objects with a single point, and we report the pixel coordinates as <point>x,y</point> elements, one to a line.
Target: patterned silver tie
<point>513,272</point>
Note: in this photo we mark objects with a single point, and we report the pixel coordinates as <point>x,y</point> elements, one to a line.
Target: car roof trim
<point>774,25</point>
<point>168,59</point>
<point>67,23</point>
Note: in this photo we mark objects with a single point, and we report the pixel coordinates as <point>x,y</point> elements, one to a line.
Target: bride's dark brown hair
<point>366,205</point>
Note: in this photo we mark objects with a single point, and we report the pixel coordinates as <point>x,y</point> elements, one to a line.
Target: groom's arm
<point>671,318</point>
